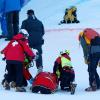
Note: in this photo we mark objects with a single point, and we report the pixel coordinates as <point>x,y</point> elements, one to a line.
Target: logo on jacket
<point>14,43</point>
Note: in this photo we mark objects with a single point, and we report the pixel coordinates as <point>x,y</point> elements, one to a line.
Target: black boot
<point>6,85</point>
<point>20,89</point>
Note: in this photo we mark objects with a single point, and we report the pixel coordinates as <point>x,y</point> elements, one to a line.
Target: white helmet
<point>24,32</point>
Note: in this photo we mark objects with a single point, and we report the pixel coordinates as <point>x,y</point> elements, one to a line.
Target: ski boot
<point>73,87</point>
<point>68,89</point>
<point>20,89</point>
<point>6,85</point>
<point>3,81</point>
<point>13,84</point>
<point>90,89</point>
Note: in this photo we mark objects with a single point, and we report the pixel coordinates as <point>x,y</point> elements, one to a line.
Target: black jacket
<point>35,29</point>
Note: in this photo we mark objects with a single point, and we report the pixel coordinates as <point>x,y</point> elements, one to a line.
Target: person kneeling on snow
<point>64,70</point>
<point>15,53</point>
<point>90,42</point>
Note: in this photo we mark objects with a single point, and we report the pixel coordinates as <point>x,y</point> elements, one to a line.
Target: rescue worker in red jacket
<point>15,53</point>
<point>90,42</point>
<point>64,70</point>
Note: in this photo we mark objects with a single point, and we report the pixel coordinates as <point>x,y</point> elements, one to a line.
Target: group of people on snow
<point>24,41</point>
<point>70,16</point>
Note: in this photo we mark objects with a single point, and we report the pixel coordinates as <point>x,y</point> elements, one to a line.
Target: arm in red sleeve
<point>27,49</point>
<point>6,48</point>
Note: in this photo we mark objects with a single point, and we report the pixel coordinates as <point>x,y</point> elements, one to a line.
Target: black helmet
<point>30,12</point>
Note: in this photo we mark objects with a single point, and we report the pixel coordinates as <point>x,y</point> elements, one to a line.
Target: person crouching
<point>14,54</point>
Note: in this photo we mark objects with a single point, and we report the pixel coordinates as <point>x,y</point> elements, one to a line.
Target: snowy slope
<point>51,12</point>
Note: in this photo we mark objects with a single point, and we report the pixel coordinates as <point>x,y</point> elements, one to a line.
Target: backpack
<point>95,41</point>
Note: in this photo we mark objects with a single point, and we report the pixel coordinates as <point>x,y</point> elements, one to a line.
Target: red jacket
<point>57,64</point>
<point>58,60</point>
<point>17,48</point>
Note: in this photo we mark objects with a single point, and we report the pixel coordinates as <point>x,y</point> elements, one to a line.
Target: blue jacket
<point>1,5</point>
<point>12,5</point>
<point>3,25</point>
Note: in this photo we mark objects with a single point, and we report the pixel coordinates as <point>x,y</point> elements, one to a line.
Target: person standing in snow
<point>12,8</point>
<point>90,42</point>
<point>35,29</point>
<point>15,53</point>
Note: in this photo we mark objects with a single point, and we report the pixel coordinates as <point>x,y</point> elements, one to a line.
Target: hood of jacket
<point>18,37</point>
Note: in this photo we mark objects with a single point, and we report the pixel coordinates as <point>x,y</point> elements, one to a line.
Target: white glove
<point>36,57</point>
<point>2,55</point>
<point>36,53</point>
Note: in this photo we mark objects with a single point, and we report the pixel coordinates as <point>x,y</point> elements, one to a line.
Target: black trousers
<point>92,69</point>
<point>39,62</point>
<point>15,72</point>
<point>12,19</point>
<point>66,78</point>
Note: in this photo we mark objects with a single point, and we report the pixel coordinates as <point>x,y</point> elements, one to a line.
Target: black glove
<point>4,58</point>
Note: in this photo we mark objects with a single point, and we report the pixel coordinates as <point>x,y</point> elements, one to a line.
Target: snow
<point>58,38</point>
